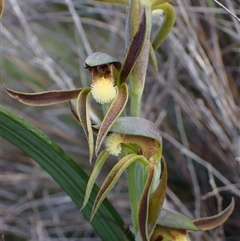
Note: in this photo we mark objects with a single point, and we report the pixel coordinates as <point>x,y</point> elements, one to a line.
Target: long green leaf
<point>73,180</point>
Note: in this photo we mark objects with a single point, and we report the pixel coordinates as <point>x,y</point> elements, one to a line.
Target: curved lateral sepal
<point>84,118</point>
<point>144,204</point>
<point>134,49</point>
<point>167,25</point>
<point>96,170</point>
<point>113,177</point>
<point>156,199</point>
<point>75,117</point>
<point>113,113</point>
<point>73,113</point>
<point>216,220</point>
<point>43,98</point>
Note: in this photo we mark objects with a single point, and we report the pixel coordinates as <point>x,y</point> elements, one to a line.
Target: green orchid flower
<point>108,87</point>
<point>135,9</point>
<point>174,226</point>
<point>134,140</point>
<point>137,140</point>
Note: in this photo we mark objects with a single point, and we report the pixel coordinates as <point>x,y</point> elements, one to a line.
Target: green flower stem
<point>137,81</point>
<point>135,104</point>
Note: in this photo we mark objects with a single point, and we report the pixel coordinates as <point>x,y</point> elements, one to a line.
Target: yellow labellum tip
<point>103,90</point>
<point>113,144</point>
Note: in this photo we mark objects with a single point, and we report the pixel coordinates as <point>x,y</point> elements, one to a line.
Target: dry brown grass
<point>194,99</point>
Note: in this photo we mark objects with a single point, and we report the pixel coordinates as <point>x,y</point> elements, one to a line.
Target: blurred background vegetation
<point>194,99</point>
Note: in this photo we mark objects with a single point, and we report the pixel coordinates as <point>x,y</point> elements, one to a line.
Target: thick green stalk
<point>137,81</point>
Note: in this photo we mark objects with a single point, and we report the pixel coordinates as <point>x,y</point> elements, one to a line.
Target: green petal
<point>173,219</point>
<point>113,177</point>
<point>83,115</point>
<point>113,113</point>
<point>43,98</point>
<point>96,170</point>
<point>157,199</point>
<point>136,126</point>
<point>144,204</point>
<point>134,49</point>
<point>167,25</point>
<point>216,220</point>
